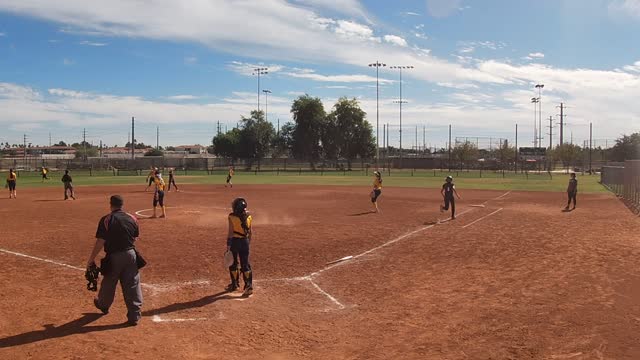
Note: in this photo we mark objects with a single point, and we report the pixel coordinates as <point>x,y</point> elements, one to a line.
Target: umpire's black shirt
<point>119,231</point>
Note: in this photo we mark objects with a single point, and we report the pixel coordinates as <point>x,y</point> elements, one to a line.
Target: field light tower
<point>539,87</point>
<point>377,65</point>
<point>400,102</point>
<point>535,101</point>
<point>266,103</point>
<point>257,72</point>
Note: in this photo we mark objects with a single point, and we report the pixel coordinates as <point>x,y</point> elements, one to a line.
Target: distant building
<point>45,152</point>
<point>192,149</point>
<point>121,152</point>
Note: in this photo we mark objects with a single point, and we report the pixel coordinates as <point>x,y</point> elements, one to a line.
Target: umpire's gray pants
<point>124,269</point>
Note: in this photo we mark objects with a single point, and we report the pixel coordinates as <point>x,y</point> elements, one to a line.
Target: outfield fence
<point>624,181</point>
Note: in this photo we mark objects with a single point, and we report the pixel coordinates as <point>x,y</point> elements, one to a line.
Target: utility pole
<point>515,163</point>
<point>449,146</point>
<point>49,139</point>
<point>101,149</point>
<point>84,142</point>
<point>218,133</point>
<point>377,65</point>
<point>590,146</point>
<point>550,132</point>
<point>561,124</point>
<point>24,149</point>
<point>133,138</point>
<point>278,131</point>
<point>424,139</point>
<point>416,138</point>
<point>157,137</point>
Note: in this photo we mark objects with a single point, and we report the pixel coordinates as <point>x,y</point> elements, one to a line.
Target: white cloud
<point>14,91</point>
<point>633,68</point>
<point>625,8</point>
<point>458,85</point>
<point>68,62</point>
<point>353,30</point>
<point>244,68</point>
<point>68,93</point>
<point>348,7</point>
<point>190,60</point>
<point>443,8</point>
<point>312,75</point>
<point>396,40</point>
<point>92,43</point>
<point>410,13</point>
<point>536,55</point>
<point>3,34</point>
<point>183,97</point>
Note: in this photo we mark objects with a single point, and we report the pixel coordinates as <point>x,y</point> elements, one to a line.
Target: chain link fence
<point>624,181</point>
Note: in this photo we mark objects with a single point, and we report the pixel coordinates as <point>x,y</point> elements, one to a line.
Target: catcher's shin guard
<point>247,276</point>
<point>235,280</point>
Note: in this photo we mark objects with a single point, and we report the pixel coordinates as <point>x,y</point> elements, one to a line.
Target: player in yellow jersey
<point>158,195</point>
<point>11,183</point>
<point>229,176</point>
<point>44,173</point>
<point>377,189</point>
<point>238,240</point>
<point>150,177</point>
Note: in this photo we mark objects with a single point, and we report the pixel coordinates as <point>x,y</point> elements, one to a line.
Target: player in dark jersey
<point>572,191</point>
<point>448,191</point>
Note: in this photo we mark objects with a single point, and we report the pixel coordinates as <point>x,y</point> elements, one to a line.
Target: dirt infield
<point>515,279</point>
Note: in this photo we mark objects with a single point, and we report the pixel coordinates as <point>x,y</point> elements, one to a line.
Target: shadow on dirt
<point>51,331</point>
<point>207,300</point>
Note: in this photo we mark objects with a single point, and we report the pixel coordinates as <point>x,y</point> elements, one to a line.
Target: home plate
<point>340,260</point>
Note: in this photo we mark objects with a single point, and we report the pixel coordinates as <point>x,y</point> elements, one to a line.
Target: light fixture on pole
<point>400,102</point>
<point>377,65</point>
<point>266,103</point>
<point>257,72</point>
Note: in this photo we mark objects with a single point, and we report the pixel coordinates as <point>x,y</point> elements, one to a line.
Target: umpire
<point>117,233</point>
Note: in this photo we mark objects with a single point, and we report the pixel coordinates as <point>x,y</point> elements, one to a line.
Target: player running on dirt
<point>447,192</point>
<point>238,241</point>
<point>572,191</point>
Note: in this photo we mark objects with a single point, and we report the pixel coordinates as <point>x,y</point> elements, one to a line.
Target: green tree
<point>61,143</point>
<point>283,141</point>
<point>626,148</point>
<point>353,134</point>
<point>464,152</point>
<point>256,136</point>
<point>567,154</point>
<point>227,144</point>
<point>309,117</point>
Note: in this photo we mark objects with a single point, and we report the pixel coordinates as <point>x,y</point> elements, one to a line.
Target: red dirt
<point>529,282</point>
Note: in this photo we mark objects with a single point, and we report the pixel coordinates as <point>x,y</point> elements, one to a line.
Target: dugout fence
<point>624,181</point>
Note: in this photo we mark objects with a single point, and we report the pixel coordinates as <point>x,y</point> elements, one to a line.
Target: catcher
<point>238,241</point>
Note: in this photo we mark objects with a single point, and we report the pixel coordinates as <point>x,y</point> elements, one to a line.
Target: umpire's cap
<point>116,201</point>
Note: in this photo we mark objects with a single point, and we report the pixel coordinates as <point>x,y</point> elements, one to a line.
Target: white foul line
<point>482,218</point>
<point>42,259</point>
<point>329,296</point>
<point>158,319</point>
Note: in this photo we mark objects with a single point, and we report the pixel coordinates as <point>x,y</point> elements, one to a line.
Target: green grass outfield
<point>405,178</point>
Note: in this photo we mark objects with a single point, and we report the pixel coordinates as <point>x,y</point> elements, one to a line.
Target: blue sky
<point>182,67</point>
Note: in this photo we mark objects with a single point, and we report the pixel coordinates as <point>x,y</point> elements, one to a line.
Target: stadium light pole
<point>257,72</point>
<point>377,65</point>
<point>266,103</point>
<point>534,101</point>
<point>539,87</point>
<point>400,102</point>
